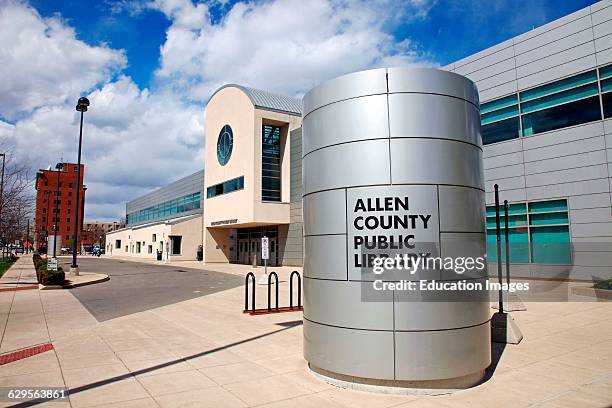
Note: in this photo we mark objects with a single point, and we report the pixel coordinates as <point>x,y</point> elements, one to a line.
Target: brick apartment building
<point>56,203</point>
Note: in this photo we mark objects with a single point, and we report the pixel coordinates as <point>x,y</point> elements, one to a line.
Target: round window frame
<point>225,132</point>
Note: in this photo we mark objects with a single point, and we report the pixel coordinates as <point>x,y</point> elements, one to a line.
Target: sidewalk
<point>205,352</point>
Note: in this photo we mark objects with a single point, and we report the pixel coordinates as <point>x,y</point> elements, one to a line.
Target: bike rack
<point>250,277</point>
<point>246,292</point>
<point>270,287</point>
<point>299,282</point>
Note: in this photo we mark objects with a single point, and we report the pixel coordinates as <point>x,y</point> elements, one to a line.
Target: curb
<point>600,294</point>
<point>102,278</point>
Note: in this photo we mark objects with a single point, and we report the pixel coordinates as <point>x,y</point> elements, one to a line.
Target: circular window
<point>225,144</point>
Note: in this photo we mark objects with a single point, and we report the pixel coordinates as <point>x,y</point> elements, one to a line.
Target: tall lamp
<point>82,105</point>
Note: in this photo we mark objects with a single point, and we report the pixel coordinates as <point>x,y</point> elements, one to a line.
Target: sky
<point>149,67</point>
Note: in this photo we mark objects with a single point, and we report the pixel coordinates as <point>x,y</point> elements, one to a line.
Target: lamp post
<point>82,105</point>
<point>58,168</point>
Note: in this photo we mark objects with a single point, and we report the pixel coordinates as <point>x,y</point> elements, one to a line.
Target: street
<point>136,287</point>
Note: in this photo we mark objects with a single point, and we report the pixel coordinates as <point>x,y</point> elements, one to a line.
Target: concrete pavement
<point>205,352</point>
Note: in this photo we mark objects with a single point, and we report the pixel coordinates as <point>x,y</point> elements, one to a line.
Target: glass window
<point>559,98</point>
<point>544,239</point>
<point>219,189</point>
<point>571,114</point>
<point>270,160</point>
<point>498,104</point>
<point>500,131</point>
<point>558,86</point>
<point>607,104</point>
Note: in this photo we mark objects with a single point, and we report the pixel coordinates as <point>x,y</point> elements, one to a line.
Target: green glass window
<point>222,188</point>
<point>498,104</point>
<point>500,131</point>
<point>559,98</point>
<point>171,207</point>
<point>569,114</point>
<point>605,72</point>
<point>499,114</point>
<point>547,206</point>
<point>558,86</point>
<point>543,239</point>
<point>607,104</point>
<point>550,245</point>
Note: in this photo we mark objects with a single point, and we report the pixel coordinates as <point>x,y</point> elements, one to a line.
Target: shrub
<point>606,284</point>
<point>53,277</point>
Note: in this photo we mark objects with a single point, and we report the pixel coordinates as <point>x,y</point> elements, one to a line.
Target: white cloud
<point>42,62</point>
<point>282,45</point>
<point>138,139</point>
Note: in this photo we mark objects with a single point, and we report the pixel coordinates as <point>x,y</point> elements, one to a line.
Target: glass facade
<point>271,163</point>
<point>567,102</point>
<point>538,232</point>
<point>171,207</point>
<point>225,187</point>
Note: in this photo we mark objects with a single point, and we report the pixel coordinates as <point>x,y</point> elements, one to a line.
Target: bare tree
<point>17,203</point>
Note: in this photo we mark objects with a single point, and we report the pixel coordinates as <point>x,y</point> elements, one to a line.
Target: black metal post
<point>499,260</point>
<point>27,238</point>
<point>58,168</point>
<point>507,236</point>
<point>82,105</point>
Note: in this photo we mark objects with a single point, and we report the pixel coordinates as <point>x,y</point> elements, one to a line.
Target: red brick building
<point>50,212</point>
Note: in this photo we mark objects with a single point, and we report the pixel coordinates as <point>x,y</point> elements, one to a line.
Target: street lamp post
<point>82,105</point>
<point>58,168</point>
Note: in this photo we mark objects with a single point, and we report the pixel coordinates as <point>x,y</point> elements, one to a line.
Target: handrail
<point>269,285</point>
<point>299,281</point>
<point>246,292</point>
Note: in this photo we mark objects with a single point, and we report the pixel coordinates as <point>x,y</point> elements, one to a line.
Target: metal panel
<point>602,214</point>
<point>598,229</point>
<point>601,30</point>
<point>482,55</point>
<point>503,148</point>
<point>553,26</point>
<point>504,172</point>
<point>555,60</point>
<point>604,57</point>
<point>458,352</point>
<point>502,161</point>
<point>338,303</point>
<point>567,175</point>
<point>461,209</point>
<point>495,69</point>
<point>346,121</point>
<point>568,66</point>
<point>578,146</point>
<point>604,43</point>
<point>433,116</point>
<point>559,33</point>
<point>511,183</point>
<point>601,16</point>
<point>510,195</point>
<point>495,80</point>
<point>336,349</point>
<point>589,201</point>
<point>423,80</point>
<point>555,47</point>
<point>325,256</point>
<point>456,163</point>
<point>566,162</point>
<point>490,60</point>
<point>343,166</point>
<point>460,245</point>
<point>571,134</point>
<point>568,189</point>
<point>362,83</point>
<point>324,213</point>
<point>498,91</point>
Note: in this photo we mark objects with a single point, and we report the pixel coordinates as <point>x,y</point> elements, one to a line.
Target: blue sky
<point>453,29</point>
<point>149,66</point>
